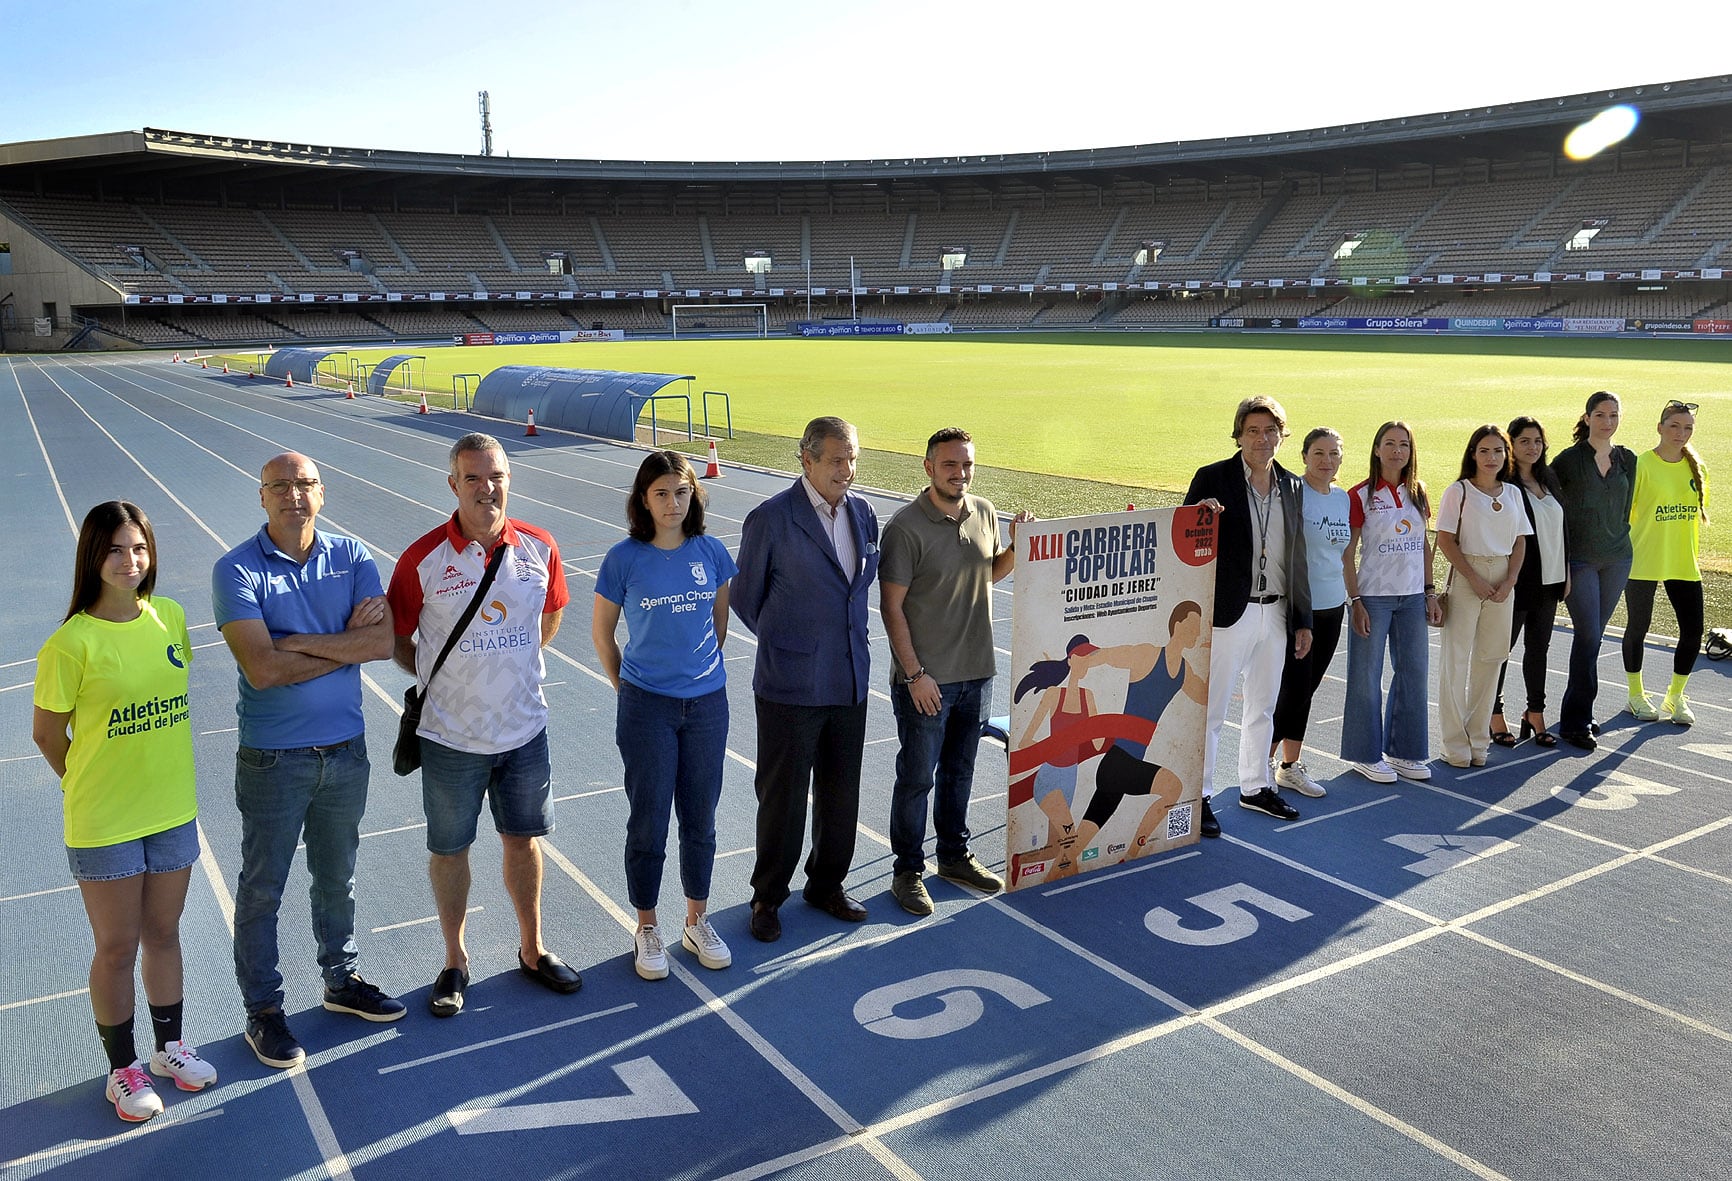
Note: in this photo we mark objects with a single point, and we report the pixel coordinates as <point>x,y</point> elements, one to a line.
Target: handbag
<point>1443,599</point>
<point>406,755</point>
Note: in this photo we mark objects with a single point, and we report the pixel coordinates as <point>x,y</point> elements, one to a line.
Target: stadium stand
<point>1443,221</point>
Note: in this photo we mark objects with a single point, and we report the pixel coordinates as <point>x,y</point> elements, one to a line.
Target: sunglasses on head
<point>1691,407</point>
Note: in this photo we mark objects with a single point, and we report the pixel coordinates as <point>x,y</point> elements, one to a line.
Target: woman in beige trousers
<point>1482,531</point>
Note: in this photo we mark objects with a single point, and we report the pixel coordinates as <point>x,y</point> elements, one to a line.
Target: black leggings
<point>1537,621</point>
<point>1686,600</point>
<point>1117,775</point>
<point>1300,678</point>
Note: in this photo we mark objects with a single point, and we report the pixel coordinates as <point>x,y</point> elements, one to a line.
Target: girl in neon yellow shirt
<point>1668,509</point>
<point>111,718</point>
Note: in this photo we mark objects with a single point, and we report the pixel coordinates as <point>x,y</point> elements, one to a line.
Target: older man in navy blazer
<point>807,559</point>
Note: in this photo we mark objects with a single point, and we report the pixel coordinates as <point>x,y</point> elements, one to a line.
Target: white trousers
<point>1255,647</point>
<point>1473,646</point>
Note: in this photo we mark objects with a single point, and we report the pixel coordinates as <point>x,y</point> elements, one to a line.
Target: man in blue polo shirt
<point>301,610</point>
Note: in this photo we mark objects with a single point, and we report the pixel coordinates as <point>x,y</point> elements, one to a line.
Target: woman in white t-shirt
<point>1482,531</point>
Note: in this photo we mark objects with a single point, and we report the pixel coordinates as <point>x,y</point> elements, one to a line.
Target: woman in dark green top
<point>1596,479</point>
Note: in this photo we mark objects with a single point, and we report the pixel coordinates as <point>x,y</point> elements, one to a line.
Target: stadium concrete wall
<point>41,274</point>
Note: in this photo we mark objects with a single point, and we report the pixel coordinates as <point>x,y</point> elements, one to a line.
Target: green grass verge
<point>1068,423</point>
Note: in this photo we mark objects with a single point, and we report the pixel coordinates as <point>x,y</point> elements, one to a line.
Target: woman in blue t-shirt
<point>671,584</point>
<point>1327,528</point>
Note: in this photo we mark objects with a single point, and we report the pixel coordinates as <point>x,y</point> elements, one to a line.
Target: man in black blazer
<point>807,559</point>
<point>1262,597</point>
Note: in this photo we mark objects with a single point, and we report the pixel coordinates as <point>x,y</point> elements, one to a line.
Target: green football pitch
<point>1131,412</point>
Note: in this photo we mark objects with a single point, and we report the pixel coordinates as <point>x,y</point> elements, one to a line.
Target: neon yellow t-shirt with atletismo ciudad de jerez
<point>1665,521</point>
<point>129,772</point>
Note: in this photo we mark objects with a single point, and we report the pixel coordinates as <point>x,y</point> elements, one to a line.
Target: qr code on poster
<point>1179,822</point>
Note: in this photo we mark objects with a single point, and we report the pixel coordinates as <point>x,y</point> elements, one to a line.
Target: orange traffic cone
<point>423,409</point>
<point>289,381</point>
<point>713,470</point>
<point>251,375</point>
<point>225,366</point>
<point>176,358</point>
<point>530,433</point>
<point>351,394</point>
<point>203,365</point>
<point>1130,508</point>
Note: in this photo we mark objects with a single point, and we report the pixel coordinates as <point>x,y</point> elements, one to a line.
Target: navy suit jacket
<point>808,614</point>
<point>1236,553</point>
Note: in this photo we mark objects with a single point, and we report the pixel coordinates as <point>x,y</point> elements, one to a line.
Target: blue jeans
<point>1595,588</point>
<point>936,752</point>
<point>672,748</point>
<point>280,793</point>
<point>1400,726</point>
<point>518,785</point>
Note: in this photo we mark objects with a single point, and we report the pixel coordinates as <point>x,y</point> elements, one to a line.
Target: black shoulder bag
<point>406,755</point>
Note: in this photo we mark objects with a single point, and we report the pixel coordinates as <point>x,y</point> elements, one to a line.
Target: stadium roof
<point>1676,117</point>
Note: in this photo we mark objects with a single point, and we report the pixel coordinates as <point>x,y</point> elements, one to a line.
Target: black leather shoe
<point>447,997</point>
<point>1211,826</point>
<point>552,972</point>
<point>1579,738</point>
<point>766,923</point>
<point>838,905</point>
<point>1269,802</point>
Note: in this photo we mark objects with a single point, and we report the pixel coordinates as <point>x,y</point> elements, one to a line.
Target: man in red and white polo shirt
<point>484,720</point>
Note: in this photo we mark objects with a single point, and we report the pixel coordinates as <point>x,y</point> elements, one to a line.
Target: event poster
<point>1109,689</point>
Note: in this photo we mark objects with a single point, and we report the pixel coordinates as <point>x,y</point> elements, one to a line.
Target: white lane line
<point>1099,876</point>
<point>801,959</point>
<point>719,856</point>
<point>385,832</point>
<point>1611,990</point>
<point>813,1093</point>
<point>227,730</point>
<point>37,1000</point>
<point>432,918</point>
<point>508,1038</point>
<point>38,893</point>
<point>584,795</point>
<point>1333,815</point>
<point>1422,1138</point>
<point>166,1122</point>
<point>53,476</point>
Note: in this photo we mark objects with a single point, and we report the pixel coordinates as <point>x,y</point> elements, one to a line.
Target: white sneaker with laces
<point>649,957</point>
<point>134,1099</point>
<point>702,941</point>
<point>1298,778</point>
<point>181,1062</point>
<point>1378,772</point>
<point>1408,768</point>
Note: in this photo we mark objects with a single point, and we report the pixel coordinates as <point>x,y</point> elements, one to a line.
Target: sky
<point>808,80</point>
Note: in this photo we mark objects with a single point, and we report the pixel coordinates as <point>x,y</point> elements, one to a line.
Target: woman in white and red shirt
<point>1390,598</point>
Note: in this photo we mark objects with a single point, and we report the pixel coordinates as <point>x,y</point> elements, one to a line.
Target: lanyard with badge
<point>1262,507</point>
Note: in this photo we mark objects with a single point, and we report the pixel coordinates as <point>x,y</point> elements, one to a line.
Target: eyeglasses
<point>282,487</point>
<point>1691,407</point>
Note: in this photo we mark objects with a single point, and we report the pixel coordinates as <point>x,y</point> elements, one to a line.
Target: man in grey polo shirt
<point>941,555</point>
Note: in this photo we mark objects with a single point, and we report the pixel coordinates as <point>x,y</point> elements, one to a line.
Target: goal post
<point>721,319</point>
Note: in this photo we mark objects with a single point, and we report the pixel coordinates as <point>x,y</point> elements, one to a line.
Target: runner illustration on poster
<point>1110,643</point>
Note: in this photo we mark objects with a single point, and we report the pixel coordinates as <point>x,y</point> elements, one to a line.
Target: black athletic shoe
<point>364,1000</point>
<point>1269,802</point>
<point>1211,827</point>
<point>268,1034</point>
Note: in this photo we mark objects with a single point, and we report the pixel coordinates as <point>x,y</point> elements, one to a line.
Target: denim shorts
<point>518,785</point>
<point>160,852</point>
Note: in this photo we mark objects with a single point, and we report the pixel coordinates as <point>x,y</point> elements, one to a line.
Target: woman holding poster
<point>1391,599</point>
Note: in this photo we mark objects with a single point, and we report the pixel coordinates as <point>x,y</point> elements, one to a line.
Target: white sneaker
<point>1298,778</point>
<point>1408,768</point>
<point>1378,772</point>
<point>181,1062</point>
<point>649,957</point>
<point>702,941</point>
<point>134,1099</point>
